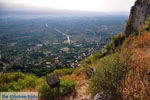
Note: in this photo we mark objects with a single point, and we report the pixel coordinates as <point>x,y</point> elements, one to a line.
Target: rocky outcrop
<point>138,15</point>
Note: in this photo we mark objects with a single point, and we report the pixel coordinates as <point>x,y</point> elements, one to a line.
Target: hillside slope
<point>120,72</point>
<point>136,84</point>
<point>122,69</point>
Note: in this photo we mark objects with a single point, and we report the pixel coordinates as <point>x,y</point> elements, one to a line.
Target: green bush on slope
<point>65,71</point>
<point>17,81</point>
<point>114,44</point>
<point>147,24</point>
<point>109,74</point>
<point>66,87</point>
<point>46,92</point>
<point>62,72</point>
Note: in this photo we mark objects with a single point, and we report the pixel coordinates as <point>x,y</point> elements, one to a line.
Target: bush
<point>16,81</point>
<point>146,27</point>
<point>46,92</point>
<point>66,87</point>
<point>109,74</point>
<point>147,24</point>
<point>116,42</point>
<point>91,59</point>
<point>66,71</point>
<point>62,72</point>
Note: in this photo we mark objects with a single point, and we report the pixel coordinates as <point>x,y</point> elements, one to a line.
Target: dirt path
<point>81,93</point>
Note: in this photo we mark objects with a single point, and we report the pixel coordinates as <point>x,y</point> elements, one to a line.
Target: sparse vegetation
<point>125,73</point>
<point>136,85</point>
<point>146,27</point>
<point>109,74</point>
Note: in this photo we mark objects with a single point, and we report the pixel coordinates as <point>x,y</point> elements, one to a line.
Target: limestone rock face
<point>138,14</point>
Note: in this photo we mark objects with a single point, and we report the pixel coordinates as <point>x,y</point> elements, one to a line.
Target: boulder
<point>90,72</point>
<point>53,81</point>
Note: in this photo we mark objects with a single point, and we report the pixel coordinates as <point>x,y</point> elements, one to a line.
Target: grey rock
<point>90,72</point>
<point>101,96</point>
<point>86,97</point>
<point>53,81</point>
<point>139,13</point>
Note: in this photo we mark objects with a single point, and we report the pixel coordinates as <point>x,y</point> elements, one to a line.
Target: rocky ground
<point>81,92</point>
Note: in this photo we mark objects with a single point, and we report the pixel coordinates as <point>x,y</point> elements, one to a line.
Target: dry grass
<point>77,75</point>
<point>135,85</point>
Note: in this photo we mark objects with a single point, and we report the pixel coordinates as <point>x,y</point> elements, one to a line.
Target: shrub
<point>16,81</point>
<point>118,39</point>
<point>90,60</point>
<point>109,74</point>
<point>145,27</point>
<point>46,92</point>
<point>147,24</point>
<point>115,43</point>
<point>67,86</point>
<point>62,72</point>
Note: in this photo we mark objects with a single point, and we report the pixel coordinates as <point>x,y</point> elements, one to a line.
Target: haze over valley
<point>53,40</point>
<point>75,49</point>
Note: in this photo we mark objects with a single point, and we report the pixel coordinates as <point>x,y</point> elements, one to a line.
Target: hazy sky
<point>83,5</point>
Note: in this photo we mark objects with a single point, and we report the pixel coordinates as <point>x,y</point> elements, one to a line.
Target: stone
<point>53,81</point>
<point>101,96</point>
<point>86,97</point>
<point>148,74</point>
<point>90,72</point>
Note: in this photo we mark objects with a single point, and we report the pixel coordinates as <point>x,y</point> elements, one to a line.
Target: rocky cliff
<point>138,15</point>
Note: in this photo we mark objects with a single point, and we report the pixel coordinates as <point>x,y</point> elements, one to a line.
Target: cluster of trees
<point>36,70</point>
